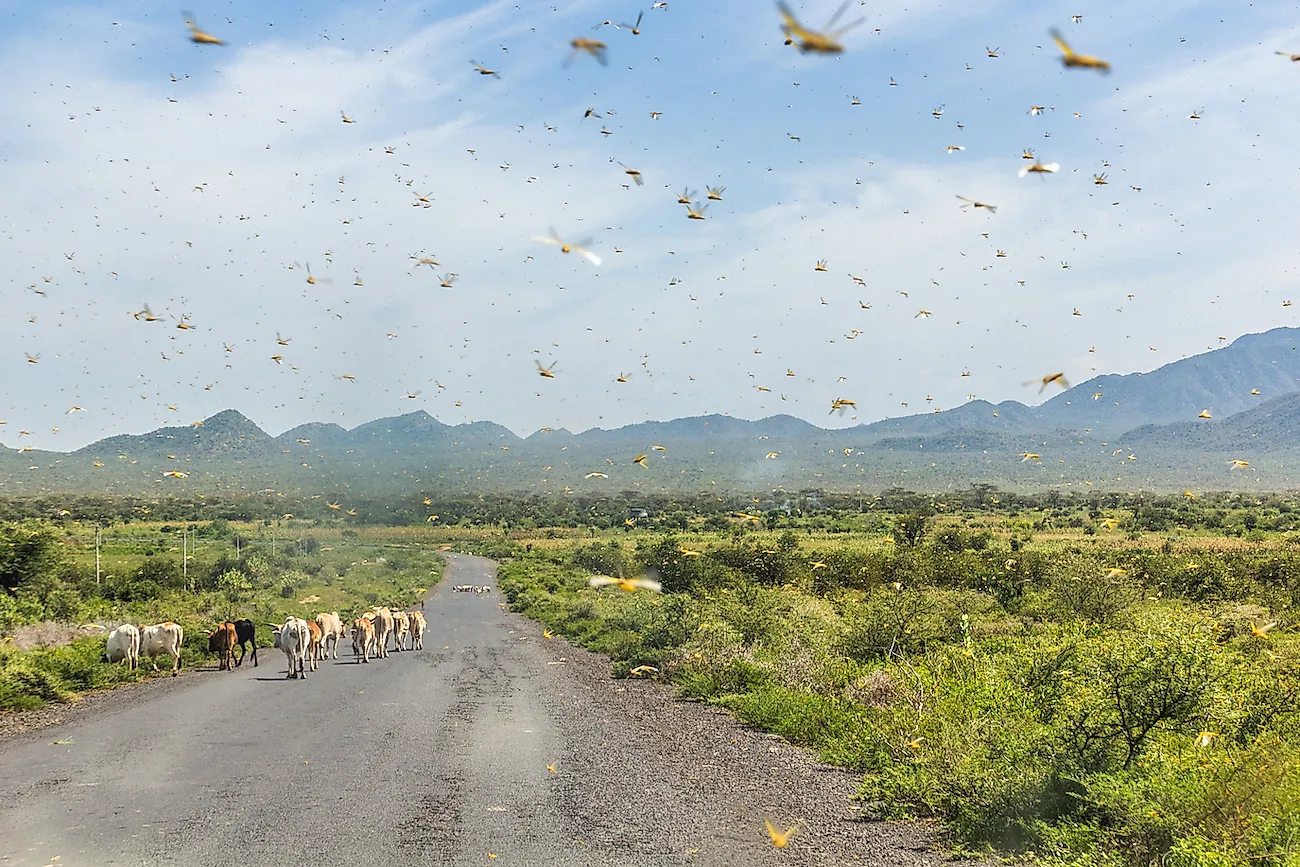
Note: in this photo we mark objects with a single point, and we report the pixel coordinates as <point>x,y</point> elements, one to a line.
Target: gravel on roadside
<point>738,776</point>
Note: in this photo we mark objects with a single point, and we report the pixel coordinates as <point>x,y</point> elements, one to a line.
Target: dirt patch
<point>52,633</point>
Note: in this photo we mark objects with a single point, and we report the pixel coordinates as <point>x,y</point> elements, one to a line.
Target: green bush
<point>30,679</point>
<point>608,559</point>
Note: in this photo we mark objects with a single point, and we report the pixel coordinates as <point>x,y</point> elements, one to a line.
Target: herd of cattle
<point>304,642</point>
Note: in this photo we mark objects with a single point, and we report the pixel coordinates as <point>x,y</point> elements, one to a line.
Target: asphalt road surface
<point>431,757</point>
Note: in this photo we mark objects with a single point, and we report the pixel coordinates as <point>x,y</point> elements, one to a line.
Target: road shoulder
<point>701,754</point>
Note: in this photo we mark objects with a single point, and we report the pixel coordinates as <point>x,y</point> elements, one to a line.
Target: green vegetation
<point>195,574</point>
<point>1087,679</point>
<point>1103,701</point>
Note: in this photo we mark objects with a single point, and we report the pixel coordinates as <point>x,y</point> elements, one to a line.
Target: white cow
<point>124,644</point>
<point>332,632</point>
<point>418,625</point>
<point>401,628</point>
<point>163,638</point>
<point>294,638</point>
<point>383,628</point>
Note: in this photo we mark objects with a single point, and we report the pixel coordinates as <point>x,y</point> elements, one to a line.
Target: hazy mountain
<point>1273,425</point>
<point>1221,381</point>
<point>1139,430</point>
<point>318,433</point>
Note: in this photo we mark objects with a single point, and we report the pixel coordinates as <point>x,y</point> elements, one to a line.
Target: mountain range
<point>1141,430</point>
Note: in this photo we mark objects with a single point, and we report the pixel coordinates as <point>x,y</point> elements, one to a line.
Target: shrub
<point>891,623</point>
<point>1082,590</point>
<point>607,559</point>
<point>910,527</point>
<point>30,679</point>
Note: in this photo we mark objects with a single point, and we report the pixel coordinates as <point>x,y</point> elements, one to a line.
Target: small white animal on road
<point>163,638</point>
<point>363,639</point>
<point>418,626</point>
<point>383,628</point>
<point>294,639</point>
<point>332,632</point>
<point>401,627</point>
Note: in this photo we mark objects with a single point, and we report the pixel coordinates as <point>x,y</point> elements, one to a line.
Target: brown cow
<point>223,642</point>
<point>314,651</point>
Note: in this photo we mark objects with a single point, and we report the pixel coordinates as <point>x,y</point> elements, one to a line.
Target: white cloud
<point>258,129</point>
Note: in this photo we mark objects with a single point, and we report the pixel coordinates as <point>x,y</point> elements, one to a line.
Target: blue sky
<point>196,196</point>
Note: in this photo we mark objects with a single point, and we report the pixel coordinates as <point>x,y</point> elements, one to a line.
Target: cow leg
<point>240,659</point>
<point>176,664</point>
<point>254,653</point>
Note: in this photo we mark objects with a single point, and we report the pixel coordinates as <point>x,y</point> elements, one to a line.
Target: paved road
<point>431,757</point>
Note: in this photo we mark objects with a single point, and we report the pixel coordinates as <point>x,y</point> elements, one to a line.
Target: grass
<point>1078,700</point>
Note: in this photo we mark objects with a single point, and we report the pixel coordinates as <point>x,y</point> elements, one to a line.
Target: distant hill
<point>1114,432</point>
<point>1221,381</point>
<point>1273,425</point>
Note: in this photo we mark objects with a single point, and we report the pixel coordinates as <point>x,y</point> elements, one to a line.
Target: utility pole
<point>185,555</point>
<point>96,555</point>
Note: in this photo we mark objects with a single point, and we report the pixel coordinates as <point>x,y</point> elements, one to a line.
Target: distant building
<point>638,513</point>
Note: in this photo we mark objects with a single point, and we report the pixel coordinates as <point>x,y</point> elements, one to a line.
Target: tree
<point>27,552</point>
<point>911,527</point>
<point>235,585</point>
